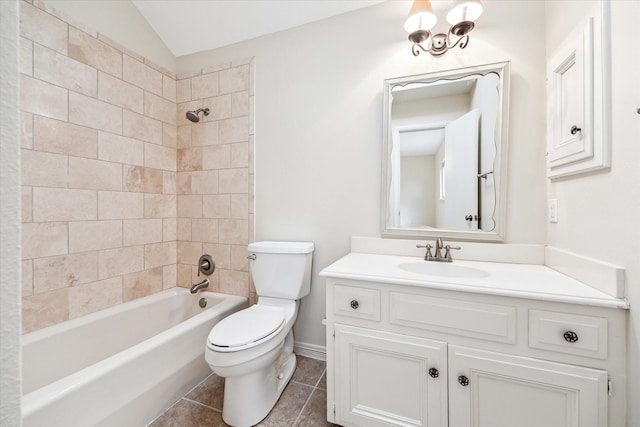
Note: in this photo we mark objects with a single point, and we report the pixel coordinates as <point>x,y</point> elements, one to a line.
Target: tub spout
<point>204,284</point>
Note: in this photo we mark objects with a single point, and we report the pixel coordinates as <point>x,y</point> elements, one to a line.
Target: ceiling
<point>189,26</point>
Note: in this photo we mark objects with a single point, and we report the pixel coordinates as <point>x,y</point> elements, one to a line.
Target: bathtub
<point>121,366</point>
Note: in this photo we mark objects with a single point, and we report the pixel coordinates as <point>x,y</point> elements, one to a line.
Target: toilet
<point>253,348</point>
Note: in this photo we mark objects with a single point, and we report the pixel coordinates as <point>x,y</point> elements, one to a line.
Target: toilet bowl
<point>253,348</point>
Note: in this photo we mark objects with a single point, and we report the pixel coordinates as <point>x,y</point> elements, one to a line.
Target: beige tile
<point>183,137</point>
<point>183,275</point>
<point>120,261</point>
<point>141,75</point>
<point>62,204</point>
<point>204,133</point>
<point>169,88</point>
<point>169,276</point>
<point>217,67</point>
<point>234,79</point>
<point>169,184</point>
<point>189,206</point>
<point>169,135</point>
<point>91,51</point>
<point>241,61</point>
<point>234,231</point>
<point>43,239</point>
<point>26,130</point>
<point>216,157</point>
<point>87,236</point>
<point>142,231</point>
<point>64,271</point>
<point>183,90</point>
<point>27,278</point>
<point>183,182</point>
<point>240,155</point>
<point>43,98</point>
<point>43,169</point>
<point>43,28</point>
<point>204,86</point>
<point>159,254</point>
<point>94,174</point>
<point>120,205</point>
<point>183,229</point>
<point>233,181</point>
<point>220,107</point>
<point>120,149</point>
<point>204,230</point>
<point>251,115</point>
<point>204,182</point>
<point>240,104</point>
<point>65,138</point>
<point>159,108</point>
<point>240,206</point>
<point>95,114</point>
<point>26,56</point>
<point>142,180</point>
<point>220,253</point>
<point>120,47</point>
<point>189,159</point>
<point>169,229</point>
<point>120,93</point>
<point>160,205</point>
<point>27,204</point>
<point>234,130</point>
<point>89,298</point>
<point>189,252</point>
<point>160,157</point>
<point>53,67</point>
<point>39,311</point>
<point>234,282</point>
<point>141,127</point>
<point>141,284</point>
<point>238,260</point>
<point>216,206</point>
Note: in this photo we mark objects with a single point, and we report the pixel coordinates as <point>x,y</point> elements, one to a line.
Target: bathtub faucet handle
<point>206,265</point>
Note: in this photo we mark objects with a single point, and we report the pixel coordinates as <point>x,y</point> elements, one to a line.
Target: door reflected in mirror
<point>445,153</point>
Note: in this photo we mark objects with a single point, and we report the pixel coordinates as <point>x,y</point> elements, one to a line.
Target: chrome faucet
<point>204,284</point>
<point>437,256</point>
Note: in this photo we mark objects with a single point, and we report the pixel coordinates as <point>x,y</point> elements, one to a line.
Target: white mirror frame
<point>500,162</point>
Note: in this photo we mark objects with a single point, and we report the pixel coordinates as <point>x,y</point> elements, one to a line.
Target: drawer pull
<point>434,373</point>
<point>463,380</point>
<point>570,336</point>
<point>354,304</point>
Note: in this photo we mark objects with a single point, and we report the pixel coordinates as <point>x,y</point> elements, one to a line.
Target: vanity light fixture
<point>422,19</point>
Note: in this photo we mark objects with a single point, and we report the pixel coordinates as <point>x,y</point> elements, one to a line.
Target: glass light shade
<point>421,17</point>
<point>464,10</point>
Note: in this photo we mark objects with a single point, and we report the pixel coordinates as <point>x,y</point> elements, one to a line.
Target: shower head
<point>193,115</point>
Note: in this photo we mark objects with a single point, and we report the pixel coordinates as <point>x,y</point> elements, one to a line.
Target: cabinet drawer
<point>355,302</point>
<point>460,317</point>
<point>568,333</point>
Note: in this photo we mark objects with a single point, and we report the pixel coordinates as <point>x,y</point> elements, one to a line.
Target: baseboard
<point>312,351</point>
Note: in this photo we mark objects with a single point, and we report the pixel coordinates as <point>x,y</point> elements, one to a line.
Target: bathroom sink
<point>431,268</point>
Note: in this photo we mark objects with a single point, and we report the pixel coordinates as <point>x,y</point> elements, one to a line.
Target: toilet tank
<point>281,269</point>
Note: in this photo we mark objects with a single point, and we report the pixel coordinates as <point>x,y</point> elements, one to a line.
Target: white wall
<point>599,213</point>
<point>319,124</point>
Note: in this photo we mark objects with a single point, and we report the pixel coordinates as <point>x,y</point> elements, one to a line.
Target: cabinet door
<point>507,391</point>
<point>384,379</point>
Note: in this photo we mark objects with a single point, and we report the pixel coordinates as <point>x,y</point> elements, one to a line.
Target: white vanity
<point>487,344</point>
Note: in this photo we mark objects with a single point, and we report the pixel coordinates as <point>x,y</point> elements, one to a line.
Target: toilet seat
<point>246,328</point>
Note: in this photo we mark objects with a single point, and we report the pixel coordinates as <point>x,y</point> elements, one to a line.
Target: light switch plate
<point>552,209</point>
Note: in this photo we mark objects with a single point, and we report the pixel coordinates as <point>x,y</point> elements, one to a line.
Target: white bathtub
<point>121,366</point>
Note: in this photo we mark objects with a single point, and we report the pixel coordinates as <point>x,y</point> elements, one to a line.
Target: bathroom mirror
<point>444,154</point>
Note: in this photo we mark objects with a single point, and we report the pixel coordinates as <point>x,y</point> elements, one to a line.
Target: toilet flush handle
<point>252,257</point>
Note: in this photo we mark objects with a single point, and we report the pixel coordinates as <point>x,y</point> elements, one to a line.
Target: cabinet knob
<point>463,380</point>
<point>575,129</point>
<point>434,373</point>
<point>570,336</point>
<point>354,304</point>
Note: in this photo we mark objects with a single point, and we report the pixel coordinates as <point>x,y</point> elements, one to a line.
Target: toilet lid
<point>246,327</point>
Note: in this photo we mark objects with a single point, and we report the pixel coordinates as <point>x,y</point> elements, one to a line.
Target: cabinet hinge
<point>609,387</point>
<point>334,409</point>
<point>334,334</point>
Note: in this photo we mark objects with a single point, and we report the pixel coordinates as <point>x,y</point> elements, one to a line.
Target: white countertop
<point>513,280</point>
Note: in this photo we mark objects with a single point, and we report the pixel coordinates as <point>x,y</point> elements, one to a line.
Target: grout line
<point>201,404</point>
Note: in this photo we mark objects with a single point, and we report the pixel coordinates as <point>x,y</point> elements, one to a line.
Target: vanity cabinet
<point>416,356</point>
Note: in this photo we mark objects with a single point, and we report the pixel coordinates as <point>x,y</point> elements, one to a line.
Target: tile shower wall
<point>121,195</point>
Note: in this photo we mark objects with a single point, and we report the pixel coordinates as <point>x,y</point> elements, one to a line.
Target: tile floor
<point>302,404</point>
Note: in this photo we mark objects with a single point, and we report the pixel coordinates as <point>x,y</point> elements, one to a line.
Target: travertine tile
<point>26,56</point>
<point>43,239</point>
<point>288,407</point>
<point>160,157</point>
<point>189,159</point>
<point>204,182</point>
<point>43,28</point>
<point>240,206</point>
<point>89,298</point>
<point>189,253</point>
<point>234,231</point>
<point>141,75</point>
<point>189,206</point>
<point>120,47</point>
<point>120,205</point>
<point>169,135</point>
<point>120,149</point>
<point>93,113</point>
<point>204,133</point>
<point>183,182</point>
<point>141,127</point>
<point>27,204</point>
<point>43,98</point>
<point>234,130</point>
<point>43,169</point>
<point>233,181</point>
<point>143,283</point>
<point>53,67</point>
<point>183,137</point>
<point>120,261</point>
<point>142,231</point>
<point>251,115</point>
<point>120,93</point>
<point>221,254</point>
<point>183,276</point>
<point>159,108</point>
<point>238,260</point>
<point>64,271</point>
<point>27,278</point>
<point>39,311</point>
<point>183,90</point>
<point>160,205</point>
<point>93,52</point>
<point>159,254</point>
<point>204,230</point>
<point>62,204</point>
<point>240,104</point>
<point>216,67</point>
<point>94,174</point>
<point>65,138</point>
<point>142,180</point>
<point>87,236</point>
<point>204,86</point>
<point>216,206</point>
<point>183,229</point>
<point>219,106</point>
<point>216,157</point>
<point>169,276</point>
<point>234,79</point>
<point>234,282</point>
<point>169,88</point>
<point>169,229</point>
<point>169,183</point>
<point>26,129</point>
<point>240,155</point>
